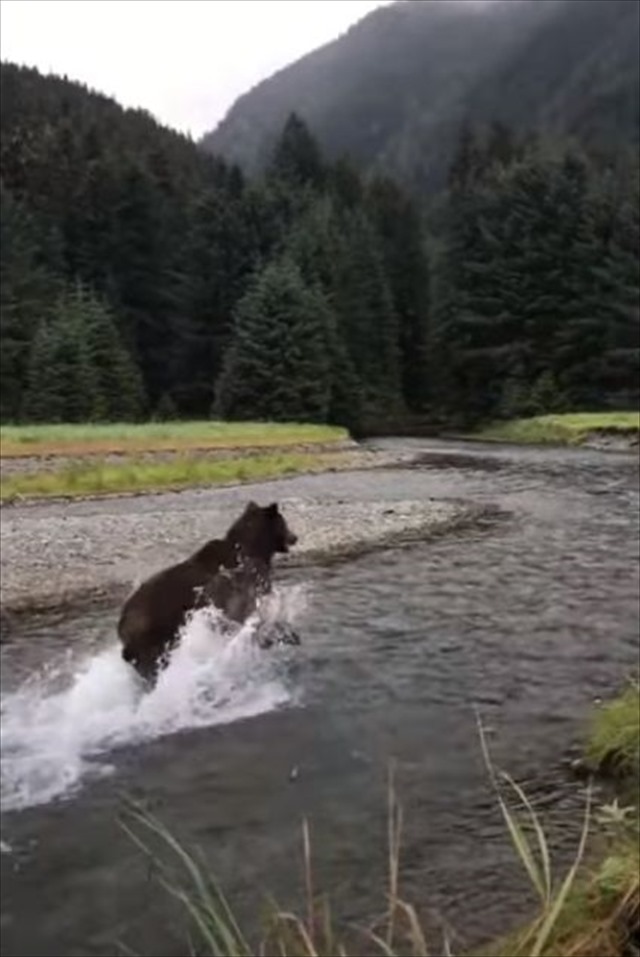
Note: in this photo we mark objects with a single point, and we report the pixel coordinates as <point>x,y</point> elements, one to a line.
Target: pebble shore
<point>56,554</point>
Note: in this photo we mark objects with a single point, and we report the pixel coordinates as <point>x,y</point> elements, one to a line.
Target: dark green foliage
<point>277,368</point>
<point>403,248</point>
<point>79,370</point>
<point>164,242</point>
<point>61,385</point>
<point>113,197</point>
<point>296,158</point>
<point>221,252</point>
<point>117,383</point>
<point>366,315</point>
<point>536,303</point>
<point>27,289</point>
<point>317,244</point>
<point>165,410</point>
<point>141,276</point>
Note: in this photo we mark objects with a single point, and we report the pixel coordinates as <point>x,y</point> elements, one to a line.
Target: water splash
<point>59,726</point>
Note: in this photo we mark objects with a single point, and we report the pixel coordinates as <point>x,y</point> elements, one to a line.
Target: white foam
<point>60,725</point>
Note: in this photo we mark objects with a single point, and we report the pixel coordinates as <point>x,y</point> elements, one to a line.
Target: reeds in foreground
<point>580,914</point>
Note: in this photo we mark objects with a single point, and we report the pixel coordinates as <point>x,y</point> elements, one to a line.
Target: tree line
<point>142,277</point>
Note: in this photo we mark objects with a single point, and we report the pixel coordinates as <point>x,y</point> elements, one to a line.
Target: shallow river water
<point>524,619</point>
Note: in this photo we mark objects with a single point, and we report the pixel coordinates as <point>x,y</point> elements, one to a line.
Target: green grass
<point>97,478</point>
<point>160,436</point>
<point>614,740</point>
<point>591,910</point>
<point>569,429</point>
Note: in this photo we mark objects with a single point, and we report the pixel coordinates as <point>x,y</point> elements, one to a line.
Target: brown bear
<point>230,573</point>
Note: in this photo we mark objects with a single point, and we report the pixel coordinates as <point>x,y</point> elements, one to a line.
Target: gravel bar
<point>58,554</point>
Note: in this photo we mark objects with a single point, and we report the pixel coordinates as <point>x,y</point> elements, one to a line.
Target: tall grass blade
<point>551,917</point>
<point>518,837</point>
<point>418,941</point>
<point>543,845</point>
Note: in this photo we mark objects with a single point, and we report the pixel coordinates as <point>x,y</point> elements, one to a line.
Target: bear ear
<point>272,509</point>
<point>251,507</point>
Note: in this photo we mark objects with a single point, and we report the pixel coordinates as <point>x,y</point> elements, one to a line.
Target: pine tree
<point>79,370</point>
<point>617,279</point>
<point>148,289</point>
<point>296,157</point>
<point>316,246</point>
<point>61,386</point>
<point>366,316</point>
<point>278,365</point>
<point>27,289</point>
<point>398,224</point>
<point>118,389</point>
<point>222,253</point>
<point>518,300</point>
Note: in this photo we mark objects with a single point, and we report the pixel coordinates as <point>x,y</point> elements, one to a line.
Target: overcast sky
<point>185,61</point>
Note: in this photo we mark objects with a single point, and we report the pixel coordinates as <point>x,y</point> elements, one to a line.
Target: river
<point>526,619</point>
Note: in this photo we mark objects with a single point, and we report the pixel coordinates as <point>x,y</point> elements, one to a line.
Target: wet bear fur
<point>231,573</point>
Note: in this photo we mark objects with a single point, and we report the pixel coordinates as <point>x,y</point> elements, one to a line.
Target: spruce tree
<point>398,224</point>
<point>118,389</point>
<point>61,385</point>
<point>277,367</point>
<point>296,158</point>
<point>316,246</point>
<point>222,252</point>
<point>27,289</point>
<point>366,316</point>
<point>79,370</point>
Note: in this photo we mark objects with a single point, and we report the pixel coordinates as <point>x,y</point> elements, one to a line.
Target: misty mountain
<point>395,89</point>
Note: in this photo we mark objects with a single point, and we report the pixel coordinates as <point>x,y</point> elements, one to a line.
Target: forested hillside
<point>395,89</point>
<point>129,256</point>
<point>141,276</point>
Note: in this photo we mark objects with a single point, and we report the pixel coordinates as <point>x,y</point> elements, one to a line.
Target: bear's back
<point>159,605</point>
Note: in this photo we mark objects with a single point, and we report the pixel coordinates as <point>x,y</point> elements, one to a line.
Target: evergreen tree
<point>617,279</point>
<point>146,284</point>
<point>26,290</point>
<point>296,157</point>
<point>79,369</point>
<point>366,316</point>
<point>61,386</point>
<point>316,246</point>
<point>345,184</point>
<point>129,255</point>
<point>118,390</point>
<point>403,246</point>
<point>521,289</point>
<point>277,367</point>
<point>222,253</point>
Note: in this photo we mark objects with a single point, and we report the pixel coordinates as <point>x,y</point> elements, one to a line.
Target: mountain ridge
<point>393,91</point>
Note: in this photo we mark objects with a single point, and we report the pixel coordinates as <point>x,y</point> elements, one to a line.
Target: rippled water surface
<point>528,618</point>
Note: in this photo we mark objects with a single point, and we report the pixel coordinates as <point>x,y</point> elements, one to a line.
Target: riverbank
<point>592,910</point>
<point>606,431</point>
<point>596,909</point>
<point>79,440</point>
<point>75,461</point>
<point>33,479</point>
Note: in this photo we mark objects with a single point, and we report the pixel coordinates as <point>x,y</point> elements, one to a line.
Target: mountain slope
<point>394,90</point>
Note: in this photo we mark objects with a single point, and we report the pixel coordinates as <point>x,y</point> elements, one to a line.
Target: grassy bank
<point>100,478</point>
<point>614,741</point>
<point>591,910</point>
<point>569,429</point>
<point>72,440</point>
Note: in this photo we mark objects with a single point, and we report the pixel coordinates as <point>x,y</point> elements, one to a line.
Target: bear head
<point>261,532</point>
